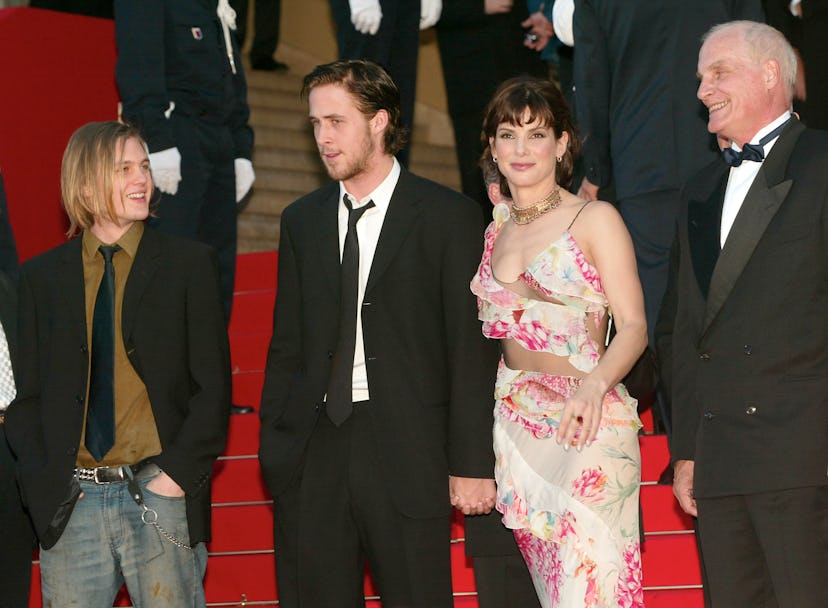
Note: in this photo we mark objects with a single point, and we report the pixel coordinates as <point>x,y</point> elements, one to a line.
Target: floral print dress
<point>574,514</point>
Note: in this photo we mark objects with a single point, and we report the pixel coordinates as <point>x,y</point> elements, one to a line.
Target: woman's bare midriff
<point>517,357</point>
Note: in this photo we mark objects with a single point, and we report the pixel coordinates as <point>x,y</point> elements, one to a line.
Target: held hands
<point>244,177</point>
<point>366,15</point>
<point>581,417</point>
<point>166,169</point>
<point>471,495</point>
<point>430,13</point>
<point>683,486</point>
<point>163,485</point>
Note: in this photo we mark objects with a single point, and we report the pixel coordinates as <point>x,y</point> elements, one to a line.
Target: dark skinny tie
<point>339,402</point>
<point>754,152</point>
<point>100,414</point>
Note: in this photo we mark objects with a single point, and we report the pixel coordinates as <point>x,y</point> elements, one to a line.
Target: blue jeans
<point>106,543</point>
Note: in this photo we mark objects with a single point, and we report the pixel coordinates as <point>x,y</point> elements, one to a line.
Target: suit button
<point>72,451</point>
<point>704,357</point>
<point>317,407</point>
<point>748,350</point>
<point>78,399</point>
<point>330,354</point>
<point>751,410</point>
<point>84,349</point>
<point>709,416</point>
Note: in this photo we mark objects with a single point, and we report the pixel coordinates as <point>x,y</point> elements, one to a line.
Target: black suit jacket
<point>750,338</point>
<point>635,89</point>
<point>174,334</point>
<point>430,371</point>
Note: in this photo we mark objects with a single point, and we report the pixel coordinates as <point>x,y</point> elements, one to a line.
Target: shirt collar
<point>765,130</point>
<point>381,194</point>
<point>128,242</point>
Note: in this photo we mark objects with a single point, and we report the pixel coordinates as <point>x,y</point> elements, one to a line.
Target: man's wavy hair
<point>372,88</point>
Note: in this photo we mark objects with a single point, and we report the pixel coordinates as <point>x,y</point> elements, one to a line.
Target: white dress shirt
<point>7,387</point>
<point>741,179</point>
<point>368,231</point>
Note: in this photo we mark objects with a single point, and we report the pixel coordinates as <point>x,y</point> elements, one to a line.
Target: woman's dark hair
<point>546,104</point>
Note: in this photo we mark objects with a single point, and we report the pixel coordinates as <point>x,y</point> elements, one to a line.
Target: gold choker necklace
<point>524,215</point>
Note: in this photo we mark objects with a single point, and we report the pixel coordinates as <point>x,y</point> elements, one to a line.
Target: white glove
<point>244,177</point>
<point>366,15</point>
<point>166,169</point>
<point>562,12</point>
<point>430,13</point>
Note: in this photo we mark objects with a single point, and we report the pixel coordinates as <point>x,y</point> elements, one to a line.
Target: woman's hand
<point>581,417</point>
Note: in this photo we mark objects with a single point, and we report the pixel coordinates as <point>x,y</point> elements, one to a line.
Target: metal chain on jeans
<point>150,516</point>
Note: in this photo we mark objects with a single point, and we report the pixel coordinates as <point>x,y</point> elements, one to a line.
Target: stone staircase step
<point>294,119</point>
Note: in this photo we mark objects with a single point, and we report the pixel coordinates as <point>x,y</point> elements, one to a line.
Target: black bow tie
<point>754,152</point>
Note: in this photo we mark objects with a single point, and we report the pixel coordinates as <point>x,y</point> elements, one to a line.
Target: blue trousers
<point>106,543</point>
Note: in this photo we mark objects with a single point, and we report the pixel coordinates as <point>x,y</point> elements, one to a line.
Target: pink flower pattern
<point>574,514</point>
<point>589,487</point>
<point>560,272</point>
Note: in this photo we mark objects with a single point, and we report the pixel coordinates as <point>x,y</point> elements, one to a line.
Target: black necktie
<point>754,152</point>
<point>339,402</point>
<point>100,414</point>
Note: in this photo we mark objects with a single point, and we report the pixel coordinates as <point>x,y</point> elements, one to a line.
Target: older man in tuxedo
<point>377,404</point>
<point>750,336</point>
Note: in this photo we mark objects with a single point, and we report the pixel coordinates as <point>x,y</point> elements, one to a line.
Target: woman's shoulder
<point>596,214</point>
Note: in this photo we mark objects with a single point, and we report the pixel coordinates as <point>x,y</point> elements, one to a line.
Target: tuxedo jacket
<point>750,337</point>
<point>430,371</point>
<point>635,89</point>
<point>174,334</point>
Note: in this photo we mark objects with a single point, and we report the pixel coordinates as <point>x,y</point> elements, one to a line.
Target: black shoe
<point>241,409</point>
<point>268,64</point>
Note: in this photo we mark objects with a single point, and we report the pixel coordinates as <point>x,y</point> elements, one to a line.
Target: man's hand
<point>366,15</point>
<point>588,191</point>
<point>540,26</point>
<point>244,177</point>
<point>472,495</point>
<point>163,485</point>
<point>166,169</point>
<point>430,13</point>
<point>683,486</point>
<point>494,7</point>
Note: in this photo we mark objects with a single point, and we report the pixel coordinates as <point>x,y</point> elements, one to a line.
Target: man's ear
<point>771,73</point>
<point>379,121</point>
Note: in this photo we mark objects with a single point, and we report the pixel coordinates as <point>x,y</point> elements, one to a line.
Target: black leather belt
<point>102,475</point>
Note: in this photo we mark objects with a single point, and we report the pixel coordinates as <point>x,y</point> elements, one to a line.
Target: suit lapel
<point>761,203</point>
<point>326,227</point>
<point>402,210</point>
<point>143,270</point>
<point>704,214</point>
<point>70,280</point>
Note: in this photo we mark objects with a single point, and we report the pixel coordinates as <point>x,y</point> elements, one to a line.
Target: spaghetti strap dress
<point>574,514</point>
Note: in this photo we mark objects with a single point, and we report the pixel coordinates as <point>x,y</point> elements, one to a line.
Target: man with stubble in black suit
<point>377,404</point>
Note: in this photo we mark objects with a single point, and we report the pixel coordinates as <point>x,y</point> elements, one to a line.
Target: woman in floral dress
<point>566,432</point>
